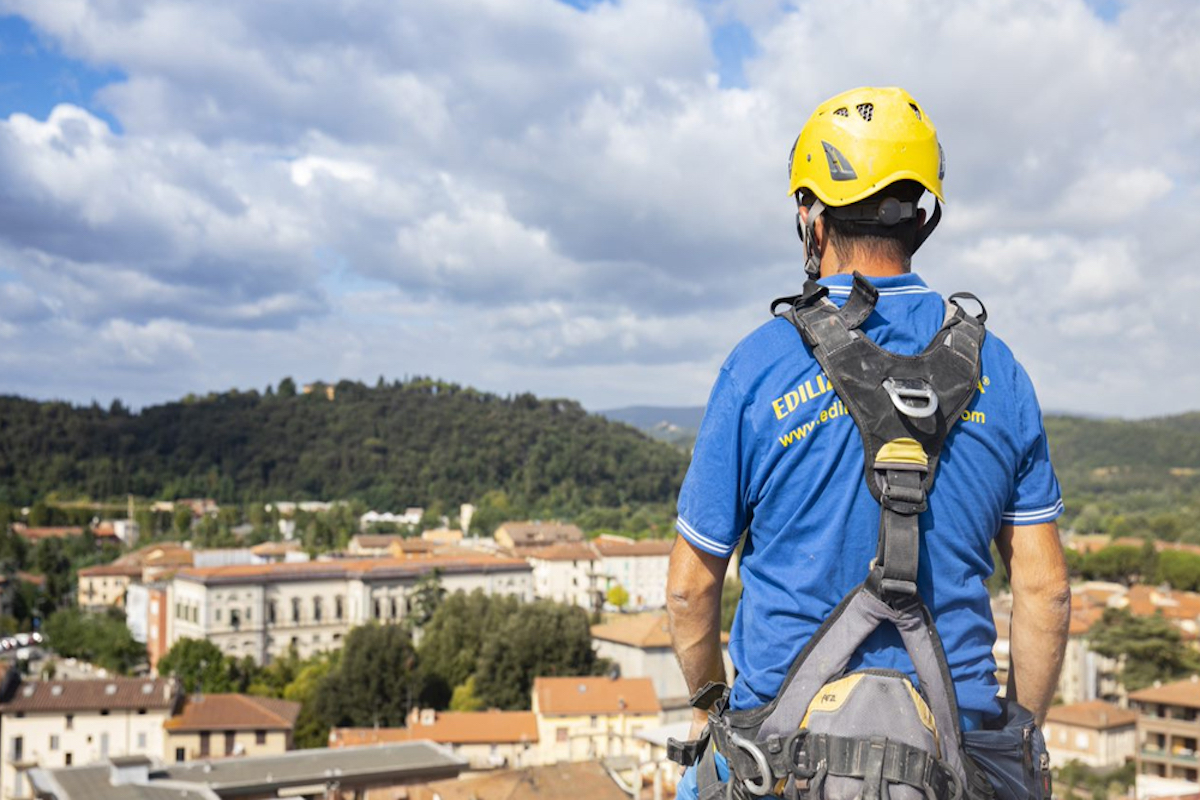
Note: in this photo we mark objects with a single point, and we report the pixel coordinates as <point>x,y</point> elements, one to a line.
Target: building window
<point>204,744</point>
<point>593,720</point>
<point>230,740</point>
<point>235,619</point>
<point>103,742</point>
<point>339,607</point>
<point>180,755</point>
<point>141,740</point>
<point>317,609</point>
<point>68,758</point>
<point>295,609</point>
<point>217,615</point>
<point>377,608</point>
<point>561,734</point>
<point>53,742</point>
<point>70,721</point>
<point>271,612</point>
<point>394,612</point>
<point>260,737</point>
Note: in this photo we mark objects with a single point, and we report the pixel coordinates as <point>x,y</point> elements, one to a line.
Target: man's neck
<point>869,268</point>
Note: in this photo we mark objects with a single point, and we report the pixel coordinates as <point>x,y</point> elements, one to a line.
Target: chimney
<point>126,770</point>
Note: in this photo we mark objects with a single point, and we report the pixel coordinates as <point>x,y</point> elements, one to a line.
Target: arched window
<point>272,611</point>
<point>317,609</point>
<point>295,609</point>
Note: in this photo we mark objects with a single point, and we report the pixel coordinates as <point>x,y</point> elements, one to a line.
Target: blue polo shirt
<point>778,458</point>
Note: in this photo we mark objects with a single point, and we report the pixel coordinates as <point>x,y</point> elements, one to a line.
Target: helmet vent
<point>916,110</point>
<point>841,112</point>
<point>865,110</point>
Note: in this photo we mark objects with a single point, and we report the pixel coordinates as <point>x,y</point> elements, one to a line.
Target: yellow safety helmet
<point>862,140</point>
<point>853,146</point>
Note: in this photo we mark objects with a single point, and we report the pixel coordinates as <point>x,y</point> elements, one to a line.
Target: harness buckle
<point>762,786</point>
<point>912,397</point>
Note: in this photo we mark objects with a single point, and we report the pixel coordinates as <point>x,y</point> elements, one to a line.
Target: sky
<point>580,199</point>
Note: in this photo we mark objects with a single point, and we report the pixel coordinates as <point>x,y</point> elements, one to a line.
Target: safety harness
<point>869,747</point>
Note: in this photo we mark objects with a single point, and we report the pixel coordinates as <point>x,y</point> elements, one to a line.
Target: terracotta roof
<point>612,547</point>
<point>1095,714</point>
<point>641,630</point>
<point>1143,600</point>
<point>1083,618</point>
<point>582,780</point>
<point>92,695</point>
<point>374,541</point>
<point>449,727</point>
<point>275,548</point>
<point>37,534</point>
<point>126,570</point>
<point>221,712</point>
<point>1184,693</point>
<point>366,568</point>
<point>595,695</point>
<point>530,533</point>
<point>571,551</point>
<point>162,553</point>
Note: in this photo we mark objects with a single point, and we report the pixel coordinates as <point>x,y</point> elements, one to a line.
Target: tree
<point>454,637</point>
<point>427,595</point>
<point>287,388</point>
<point>617,596</point>
<point>464,697</point>
<point>311,730</point>
<point>200,666</point>
<point>376,682</point>
<point>1117,563</point>
<point>102,639</point>
<point>1181,570</point>
<point>1148,648</point>
<point>541,639</point>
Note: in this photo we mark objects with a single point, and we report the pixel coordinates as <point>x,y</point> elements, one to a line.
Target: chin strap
<point>812,254</point>
<point>928,227</point>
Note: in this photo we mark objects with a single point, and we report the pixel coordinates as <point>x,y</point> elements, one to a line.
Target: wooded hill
<point>416,442</point>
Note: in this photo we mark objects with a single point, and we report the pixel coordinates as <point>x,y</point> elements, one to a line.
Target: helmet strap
<point>808,235</point>
<point>928,227</point>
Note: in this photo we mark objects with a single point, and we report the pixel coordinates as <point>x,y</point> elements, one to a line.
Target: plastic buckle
<point>902,499</point>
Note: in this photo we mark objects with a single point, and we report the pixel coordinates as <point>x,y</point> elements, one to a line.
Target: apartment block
<point>1168,729</point>
<point>106,585</point>
<point>638,567</point>
<point>567,573</point>
<point>261,611</point>
<point>1094,733</point>
<point>587,718</point>
<point>60,723</point>
<point>486,739</point>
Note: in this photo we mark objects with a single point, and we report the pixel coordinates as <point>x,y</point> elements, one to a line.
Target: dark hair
<point>859,240</point>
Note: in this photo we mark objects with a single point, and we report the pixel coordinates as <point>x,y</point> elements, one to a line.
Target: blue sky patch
<point>34,77</point>
<point>732,44</point>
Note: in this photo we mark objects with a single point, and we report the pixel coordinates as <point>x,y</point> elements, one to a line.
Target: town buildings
<point>486,739</point>
<point>218,725</point>
<point>262,611</point>
<point>637,566</point>
<point>61,723</point>
<point>1168,729</point>
<point>567,573</point>
<point>592,717</point>
<point>1094,733</point>
<point>519,536</point>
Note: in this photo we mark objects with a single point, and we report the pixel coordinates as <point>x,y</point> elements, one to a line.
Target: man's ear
<point>921,217</point>
<point>803,212</point>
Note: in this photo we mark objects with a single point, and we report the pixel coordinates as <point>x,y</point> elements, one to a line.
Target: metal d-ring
<point>762,786</point>
<point>902,391</point>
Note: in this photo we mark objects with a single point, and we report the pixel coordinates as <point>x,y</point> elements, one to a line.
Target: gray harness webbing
<point>904,407</point>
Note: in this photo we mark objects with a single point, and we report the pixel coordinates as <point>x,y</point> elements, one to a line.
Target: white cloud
<point>523,195</point>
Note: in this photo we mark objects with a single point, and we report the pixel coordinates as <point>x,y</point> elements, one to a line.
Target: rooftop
<point>1095,714</point>
<point>641,630</point>
<point>114,569</point>
<point>367,569</point>
<point>617,547</point>
<point>92,695</point>
<point>258,775</point>
<point>595,695</point>
<point>448,727</point>
<point>582,780</point>
<point>566,551</point>
<point>221,712</point>
<point>530,533</point>
<point>1184,693</point>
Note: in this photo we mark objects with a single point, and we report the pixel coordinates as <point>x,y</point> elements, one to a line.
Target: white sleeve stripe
<point>704,542</point>
<point>1037,515</point>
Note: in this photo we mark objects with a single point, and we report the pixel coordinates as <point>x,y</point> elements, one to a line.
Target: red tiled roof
<point>37,534</point>
<point>125,570</point>
<point>613,547</point>
<point>220,712</point>
<point>581,780</point>
<point>532,533</point>
<point>449,727</point>
<point>1095,714</point>
<point>642,630</point>
<point>563,552</point>
<point>1184,693</point>
<point>92,695</point>
<point>351,568</point>
<point>595,695</point>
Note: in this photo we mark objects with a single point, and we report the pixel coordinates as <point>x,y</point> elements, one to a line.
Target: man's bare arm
<point>694,582</point>
<point>1041,589</point>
